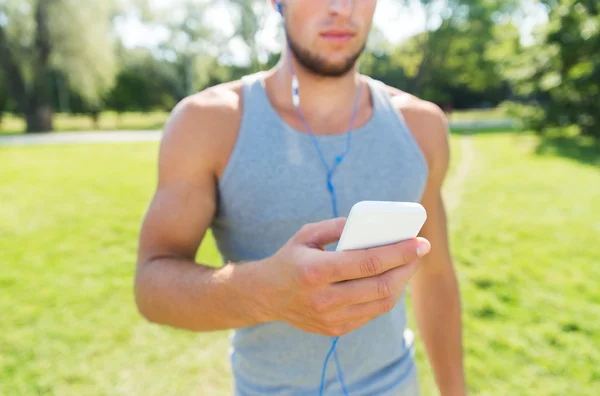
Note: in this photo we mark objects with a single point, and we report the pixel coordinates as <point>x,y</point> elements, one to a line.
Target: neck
<point>320,96</point>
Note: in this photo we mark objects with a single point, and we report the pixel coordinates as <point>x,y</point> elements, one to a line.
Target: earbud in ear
<point>278,5</point>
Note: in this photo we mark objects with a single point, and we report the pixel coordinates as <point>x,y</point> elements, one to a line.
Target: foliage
<point>469,56</point>
<point>4,97</point>
<point>457,56</point>
<point>37,36</point>
<point>561,73</point>
<point>145,83</point>
<point>191,38</point>
<point>250,16</point>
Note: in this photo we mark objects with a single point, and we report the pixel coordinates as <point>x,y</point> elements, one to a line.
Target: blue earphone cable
<point>339,158</point>
<point>331,189</point>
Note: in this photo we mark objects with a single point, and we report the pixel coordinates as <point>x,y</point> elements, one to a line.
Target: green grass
<point>525,246</point>
<point>524,241</point>
<point>107,121</point>
<point>70,218</point>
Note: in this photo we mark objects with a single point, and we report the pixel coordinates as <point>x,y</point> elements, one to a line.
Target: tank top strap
<point>252,91</point>
<point>382,100</point>
<point>381,97</point>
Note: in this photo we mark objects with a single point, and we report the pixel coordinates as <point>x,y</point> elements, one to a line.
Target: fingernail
<point>423,248</point>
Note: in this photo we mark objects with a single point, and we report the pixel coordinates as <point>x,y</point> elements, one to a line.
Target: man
<point>240,158</point>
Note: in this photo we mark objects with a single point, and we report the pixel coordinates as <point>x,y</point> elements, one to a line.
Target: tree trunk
<point>39,113</point>
<point>12,73</point>
<point>95,116</point>
<point>3,102</point>
<point>35,106</point>
<point>39,119</point>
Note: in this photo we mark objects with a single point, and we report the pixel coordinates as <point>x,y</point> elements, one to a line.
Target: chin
<point>338,67</point>
<point>340,64</point>
<point>334,71</point>
<point>324,60</point>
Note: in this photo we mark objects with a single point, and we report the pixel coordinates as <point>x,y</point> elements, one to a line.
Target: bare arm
<point>329,293</point>
<point>434,288</point>
<point>170,287</point>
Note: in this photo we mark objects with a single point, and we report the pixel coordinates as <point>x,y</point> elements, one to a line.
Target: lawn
<point>524,239</point>
<point>110,120</point>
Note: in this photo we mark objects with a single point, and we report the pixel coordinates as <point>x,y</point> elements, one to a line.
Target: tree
<point>453,51</point>
<point>562,72</point>
<point>191,39</point>
<point>144,83</point>
<point>3,97</point>
<point>249,18</point>
<point>39,35</point>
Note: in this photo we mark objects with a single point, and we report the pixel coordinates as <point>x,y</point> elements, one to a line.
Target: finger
<point>376,307</point>
<point>355,264</point>
<point>384,286</point>
<point>344,328</point>
<point>322,233</point>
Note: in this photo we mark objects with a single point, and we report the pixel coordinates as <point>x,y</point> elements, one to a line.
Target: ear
<point>277,5</point>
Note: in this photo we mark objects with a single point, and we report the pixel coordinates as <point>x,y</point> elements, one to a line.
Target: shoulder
<point>206,113</point>
<point>416,110</point>
<point>203,127</point>
<point>428,124</point>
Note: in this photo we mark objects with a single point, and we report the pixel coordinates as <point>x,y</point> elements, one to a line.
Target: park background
<point>519,79</point>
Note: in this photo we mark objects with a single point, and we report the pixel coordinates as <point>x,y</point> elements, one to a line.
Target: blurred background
<point>518,79</point>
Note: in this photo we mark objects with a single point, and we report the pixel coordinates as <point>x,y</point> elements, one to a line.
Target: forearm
<point>438,313</point>
<point>182,294</point>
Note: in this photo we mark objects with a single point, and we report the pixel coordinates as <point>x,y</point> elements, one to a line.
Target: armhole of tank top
<point>404,129</point>
<point>241,134</point>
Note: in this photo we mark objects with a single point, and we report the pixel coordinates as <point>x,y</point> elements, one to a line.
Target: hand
<point>334,293</point>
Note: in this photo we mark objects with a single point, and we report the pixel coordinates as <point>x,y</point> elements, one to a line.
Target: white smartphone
<point>377,223</point>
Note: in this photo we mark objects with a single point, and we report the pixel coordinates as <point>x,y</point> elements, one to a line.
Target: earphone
<point>330,187</point>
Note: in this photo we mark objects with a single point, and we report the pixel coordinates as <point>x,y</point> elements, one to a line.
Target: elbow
<point>144,309</point>
<point>143,292</point>
<point>151,298</point>
<point>159,300</point>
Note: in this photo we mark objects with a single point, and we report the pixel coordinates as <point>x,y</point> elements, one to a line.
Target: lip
<point>338,35</point>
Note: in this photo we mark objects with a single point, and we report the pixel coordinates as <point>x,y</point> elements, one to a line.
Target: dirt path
<point>453,189</point>
<point>80,137</point>
<point>155,135</point>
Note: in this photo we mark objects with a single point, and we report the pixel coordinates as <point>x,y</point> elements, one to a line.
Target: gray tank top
<point>273,184</point>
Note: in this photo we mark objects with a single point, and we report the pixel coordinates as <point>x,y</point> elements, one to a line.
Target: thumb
<point>321,233</point>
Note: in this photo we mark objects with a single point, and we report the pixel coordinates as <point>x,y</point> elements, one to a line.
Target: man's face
<point>327,36</point>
